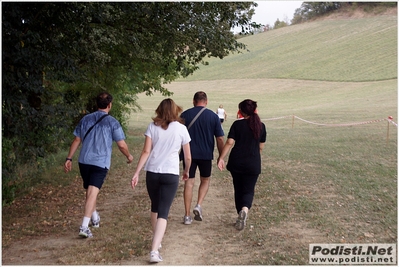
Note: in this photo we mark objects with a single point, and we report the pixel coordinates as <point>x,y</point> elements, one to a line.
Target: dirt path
<point>201,243</point>
<point>194,244</point>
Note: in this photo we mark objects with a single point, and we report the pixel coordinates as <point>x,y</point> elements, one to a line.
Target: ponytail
<point>248,107</point>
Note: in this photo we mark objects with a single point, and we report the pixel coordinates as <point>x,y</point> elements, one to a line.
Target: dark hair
<point>167,112</point>
<point>103,100</point>
<point>248,107</point>
<point>200,96</point>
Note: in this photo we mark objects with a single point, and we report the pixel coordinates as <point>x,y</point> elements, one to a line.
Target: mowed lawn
<point>333,177</point>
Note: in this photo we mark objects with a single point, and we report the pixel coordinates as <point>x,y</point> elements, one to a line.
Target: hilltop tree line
<point>57,56</point>
<point>312,10</point>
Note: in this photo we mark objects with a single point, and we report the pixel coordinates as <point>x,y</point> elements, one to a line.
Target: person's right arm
<point>145,153</point>
<point>74,146</point>
<point>220,161</point>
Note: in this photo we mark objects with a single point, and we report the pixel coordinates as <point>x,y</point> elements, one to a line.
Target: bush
<point>8,171</point>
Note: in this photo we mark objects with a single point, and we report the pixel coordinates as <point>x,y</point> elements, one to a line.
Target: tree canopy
<point>58,55</point>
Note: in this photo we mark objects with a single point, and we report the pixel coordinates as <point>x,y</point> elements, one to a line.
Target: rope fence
<point>389,120</point>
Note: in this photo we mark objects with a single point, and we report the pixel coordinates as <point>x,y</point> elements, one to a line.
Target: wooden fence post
<point>389,121</point>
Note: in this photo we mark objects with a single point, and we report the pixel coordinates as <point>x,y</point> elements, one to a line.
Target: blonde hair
<point>220,106</point>
<point>167,112</point>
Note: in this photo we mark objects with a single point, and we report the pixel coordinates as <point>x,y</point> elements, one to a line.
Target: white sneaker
<point>85,232</point>
<point>95,223</point>
<point>155,257</point>
<point>187,220</point>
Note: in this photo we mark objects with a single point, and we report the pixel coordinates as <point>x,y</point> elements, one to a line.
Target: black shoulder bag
<point>91,128</point>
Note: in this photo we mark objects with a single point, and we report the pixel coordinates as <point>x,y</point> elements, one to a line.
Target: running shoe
<point>85,232</point>
<point>241,220</point>
<point>96,223</point>
<point>197,213</point>
<point>155,257</point>
<point>187,220</point>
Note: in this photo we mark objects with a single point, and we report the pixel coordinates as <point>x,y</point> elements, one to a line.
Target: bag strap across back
<point>91,128</point>
<point>196,117</point>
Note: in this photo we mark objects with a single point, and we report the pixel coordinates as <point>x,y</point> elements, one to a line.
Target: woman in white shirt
<point>221,113</point>
<point>164,138</point>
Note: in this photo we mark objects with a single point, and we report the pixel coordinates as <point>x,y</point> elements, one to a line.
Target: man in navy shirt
<point>203,132</point>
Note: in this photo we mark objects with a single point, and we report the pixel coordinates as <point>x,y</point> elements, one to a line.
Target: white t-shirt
<point>166,144</point>
<point>221,113</point>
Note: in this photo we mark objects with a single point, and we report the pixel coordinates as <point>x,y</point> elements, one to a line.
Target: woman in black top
<point>246,138</point>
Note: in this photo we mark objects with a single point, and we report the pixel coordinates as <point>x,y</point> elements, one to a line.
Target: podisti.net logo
<point>352,254</point>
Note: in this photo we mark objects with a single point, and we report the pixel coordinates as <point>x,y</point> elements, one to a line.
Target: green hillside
<point>363,49</point>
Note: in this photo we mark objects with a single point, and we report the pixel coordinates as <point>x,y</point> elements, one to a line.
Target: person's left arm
<point>125,150</point>
<point>187,161</point>
<point>219,134</point>
<point>263,138</point>
<point>261,145</point>
<point>220,143</point>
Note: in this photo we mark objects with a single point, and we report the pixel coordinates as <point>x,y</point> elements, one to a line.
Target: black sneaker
<point>197,213</point>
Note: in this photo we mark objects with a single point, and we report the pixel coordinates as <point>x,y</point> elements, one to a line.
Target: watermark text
<point>335,254</point>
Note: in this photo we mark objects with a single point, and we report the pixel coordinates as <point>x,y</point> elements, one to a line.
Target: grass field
<point>326,184</point>
<point>319,184</point>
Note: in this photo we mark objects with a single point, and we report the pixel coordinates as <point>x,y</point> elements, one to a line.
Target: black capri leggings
<point>161,188</point>
<point>244,189</point>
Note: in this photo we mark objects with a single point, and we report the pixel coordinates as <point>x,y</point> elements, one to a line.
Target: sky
<point>267,12</point>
